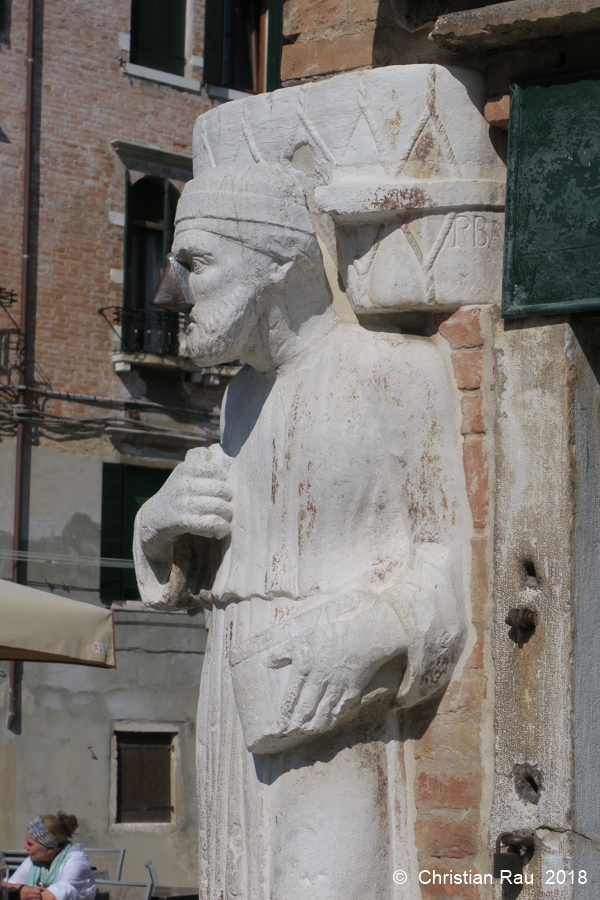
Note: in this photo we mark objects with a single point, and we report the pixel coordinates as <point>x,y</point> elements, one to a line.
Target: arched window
<point>149,220</point>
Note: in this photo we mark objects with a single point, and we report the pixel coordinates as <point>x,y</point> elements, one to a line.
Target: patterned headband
<point>42,835</point>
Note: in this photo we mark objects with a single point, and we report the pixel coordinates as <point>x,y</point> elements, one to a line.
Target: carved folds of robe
<point>343,464</point>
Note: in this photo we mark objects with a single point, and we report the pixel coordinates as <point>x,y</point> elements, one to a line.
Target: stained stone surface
<point>400,174</point>
<point>334,509</point>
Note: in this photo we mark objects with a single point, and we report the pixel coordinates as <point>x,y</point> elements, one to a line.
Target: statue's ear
<point>278,272</point>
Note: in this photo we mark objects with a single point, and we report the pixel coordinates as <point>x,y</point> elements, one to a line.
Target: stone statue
<point>334,502</point>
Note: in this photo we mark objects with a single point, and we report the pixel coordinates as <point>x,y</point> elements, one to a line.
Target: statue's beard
<point>219,327</point>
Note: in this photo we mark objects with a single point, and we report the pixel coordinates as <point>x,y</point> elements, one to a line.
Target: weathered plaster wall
<point>547,515</point>
<point>59,756</point>
<point>585,606</point>
<point>534,522</point>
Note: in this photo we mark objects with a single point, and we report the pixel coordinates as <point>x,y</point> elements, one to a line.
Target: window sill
<point>138,607</point>
<point>124,362</point>
<point>507,24</point>
<point>188,84</point>
<point>144,827</point>
<point>215,92</point>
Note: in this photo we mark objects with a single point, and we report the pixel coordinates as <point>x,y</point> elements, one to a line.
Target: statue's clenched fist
<point>195,499</point>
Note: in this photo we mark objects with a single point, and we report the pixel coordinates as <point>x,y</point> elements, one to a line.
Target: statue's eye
<point>199,263</point>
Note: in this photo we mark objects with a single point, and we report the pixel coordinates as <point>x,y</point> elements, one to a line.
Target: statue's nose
<point>170,293</point>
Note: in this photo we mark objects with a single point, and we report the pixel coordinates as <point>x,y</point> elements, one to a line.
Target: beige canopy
<point>35,625</point>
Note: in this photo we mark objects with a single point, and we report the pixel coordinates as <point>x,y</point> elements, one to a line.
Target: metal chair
<point>13,859</point>
<point>152,872</point>
<point>106,859</point>
<point>123,890</point>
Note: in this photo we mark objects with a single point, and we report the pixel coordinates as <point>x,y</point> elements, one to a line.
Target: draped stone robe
<point>342,464</point>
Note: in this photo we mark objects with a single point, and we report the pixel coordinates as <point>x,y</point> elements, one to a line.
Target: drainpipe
<point>20,448</point>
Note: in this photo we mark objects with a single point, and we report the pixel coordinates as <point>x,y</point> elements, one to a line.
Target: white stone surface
<point>404,185</point>
<point>336,504</point>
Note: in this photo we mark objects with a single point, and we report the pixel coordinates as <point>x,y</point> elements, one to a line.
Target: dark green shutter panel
<point>274,44</point>
<point>552,253</point>
<point>127,245</point>
<point>111,529</point>
<point>139,485</point>
<point>158,35</point>
<point>124,490</point>
<point>213,41</point>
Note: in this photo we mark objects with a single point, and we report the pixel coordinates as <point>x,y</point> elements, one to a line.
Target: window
<point>150,206</point>
<point>158,35</point>
<point>242,44</point>
<point>124,490</point>
<point>553,196</point>
<point>144,776</point>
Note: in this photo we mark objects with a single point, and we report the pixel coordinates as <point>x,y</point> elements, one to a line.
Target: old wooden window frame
<point>177,785</point>
<point>269,36</point>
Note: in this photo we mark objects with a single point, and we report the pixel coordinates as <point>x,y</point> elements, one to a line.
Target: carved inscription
<point>474,230</point>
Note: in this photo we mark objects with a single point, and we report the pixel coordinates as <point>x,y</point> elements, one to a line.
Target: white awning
<point>39,626</point>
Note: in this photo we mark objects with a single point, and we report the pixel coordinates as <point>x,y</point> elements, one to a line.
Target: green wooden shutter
<point>138,486</point>
<point>552,251</point>
<point>111,529</point>
<point>127,245</point>
<point>124,490</point>
<point>274,44</point>
<point>213,41</point>
<point>158,35</point>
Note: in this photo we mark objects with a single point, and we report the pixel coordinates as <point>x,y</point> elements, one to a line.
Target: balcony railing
<point>149,330</point>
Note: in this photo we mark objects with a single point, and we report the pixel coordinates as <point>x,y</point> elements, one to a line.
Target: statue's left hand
<point>331,665</point>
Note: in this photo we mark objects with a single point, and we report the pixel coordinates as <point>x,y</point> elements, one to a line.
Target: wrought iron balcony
<point>149,330</point>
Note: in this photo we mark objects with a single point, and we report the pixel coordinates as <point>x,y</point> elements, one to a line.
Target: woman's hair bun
<point>62,825</point>
<point>68,822</point>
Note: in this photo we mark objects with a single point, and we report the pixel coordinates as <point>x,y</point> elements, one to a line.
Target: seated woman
<point>56,868</point>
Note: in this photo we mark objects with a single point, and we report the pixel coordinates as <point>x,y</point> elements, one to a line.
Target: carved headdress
<point>258,205</point>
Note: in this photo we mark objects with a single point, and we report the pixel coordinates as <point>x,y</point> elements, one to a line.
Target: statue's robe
<point>342,463</point>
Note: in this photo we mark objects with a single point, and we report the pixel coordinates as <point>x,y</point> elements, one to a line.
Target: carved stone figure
<point>326,532</point>
<point>336,494</point>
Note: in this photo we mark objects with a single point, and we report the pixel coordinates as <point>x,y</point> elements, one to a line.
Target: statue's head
<point>239,231</point>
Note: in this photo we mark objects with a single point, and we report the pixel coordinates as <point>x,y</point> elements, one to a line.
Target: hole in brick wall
<point>528,782</point>
<point>530,575</point>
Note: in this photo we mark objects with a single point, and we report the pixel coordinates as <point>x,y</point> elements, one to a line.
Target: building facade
<point>98,401</point>
<point>112,405</point>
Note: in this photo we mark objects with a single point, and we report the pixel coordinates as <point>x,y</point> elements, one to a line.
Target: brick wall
<point>84,99</point>
<point>453,739</point>
<point>331,36</point>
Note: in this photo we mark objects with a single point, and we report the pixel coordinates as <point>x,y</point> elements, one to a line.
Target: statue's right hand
<point>195,499</point>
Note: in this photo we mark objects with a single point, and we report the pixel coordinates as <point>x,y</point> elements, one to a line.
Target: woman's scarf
<point>44,876</point>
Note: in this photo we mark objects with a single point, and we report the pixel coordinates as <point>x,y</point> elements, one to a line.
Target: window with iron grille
<point>150,205</point>
<point>242,44</point>
<point>144,764</point>
<point>158,35</point>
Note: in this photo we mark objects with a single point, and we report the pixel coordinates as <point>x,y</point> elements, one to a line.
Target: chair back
<point>106,859</point>
<point>13,859</point>
<point>123,890</point>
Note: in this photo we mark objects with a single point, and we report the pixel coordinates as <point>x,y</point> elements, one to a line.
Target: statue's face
<point>226,280</point>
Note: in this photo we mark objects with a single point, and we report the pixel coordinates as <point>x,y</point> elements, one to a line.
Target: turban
<point>258,205</point>
<point>42,835</point>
